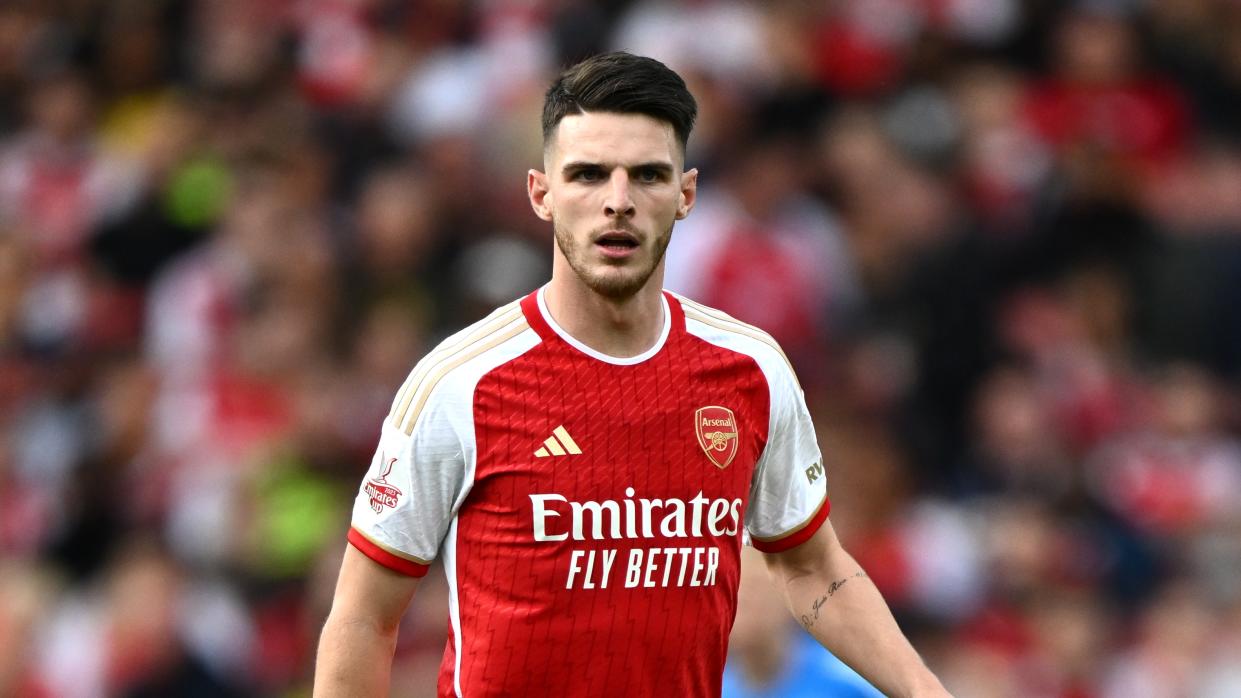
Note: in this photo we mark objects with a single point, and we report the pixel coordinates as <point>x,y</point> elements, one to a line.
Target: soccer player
<point>588,460</point>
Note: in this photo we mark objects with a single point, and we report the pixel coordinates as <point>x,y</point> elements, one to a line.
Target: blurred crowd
<point>1000,240</point>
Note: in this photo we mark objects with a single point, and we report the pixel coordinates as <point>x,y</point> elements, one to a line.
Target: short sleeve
<point>414,486</point>
<point>788,500</point>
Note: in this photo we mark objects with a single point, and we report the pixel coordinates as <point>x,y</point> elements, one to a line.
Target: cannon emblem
<point>716,429</point>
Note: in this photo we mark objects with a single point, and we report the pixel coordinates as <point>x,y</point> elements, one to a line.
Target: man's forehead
<point>609,136</point>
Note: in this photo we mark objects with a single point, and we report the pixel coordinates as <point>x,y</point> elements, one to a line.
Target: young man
<point>587,460</point>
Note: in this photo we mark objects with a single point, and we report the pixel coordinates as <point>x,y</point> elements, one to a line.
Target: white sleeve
<point>415,484</point>
<point>788,498</point>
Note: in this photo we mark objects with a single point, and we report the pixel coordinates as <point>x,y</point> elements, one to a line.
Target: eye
<point>587,175</point>
<point>649,175</point>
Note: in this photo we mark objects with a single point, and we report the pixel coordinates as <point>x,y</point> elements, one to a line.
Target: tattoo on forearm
<point>809,619</point>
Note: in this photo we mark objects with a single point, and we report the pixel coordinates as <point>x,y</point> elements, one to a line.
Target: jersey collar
<point>535,307</point>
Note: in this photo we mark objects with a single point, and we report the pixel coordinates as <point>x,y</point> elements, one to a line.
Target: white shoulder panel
<point>424,465</point>
<point>789,486</point>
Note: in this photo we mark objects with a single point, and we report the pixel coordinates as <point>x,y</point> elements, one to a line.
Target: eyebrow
<point>571,168</point>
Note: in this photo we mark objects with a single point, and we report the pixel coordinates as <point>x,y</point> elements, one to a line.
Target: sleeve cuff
<point>386,556</point>
<point>797,535</point>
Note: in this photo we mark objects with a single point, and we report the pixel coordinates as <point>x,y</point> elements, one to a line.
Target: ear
<point>540,197</point>
<point>689,193</point>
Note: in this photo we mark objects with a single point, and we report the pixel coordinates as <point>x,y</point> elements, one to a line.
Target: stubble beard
<point>612,286</point>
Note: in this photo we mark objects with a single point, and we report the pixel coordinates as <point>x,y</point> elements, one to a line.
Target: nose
<point>618,203</point>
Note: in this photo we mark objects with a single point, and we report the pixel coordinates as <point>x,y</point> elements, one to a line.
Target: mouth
<point>617,243</point>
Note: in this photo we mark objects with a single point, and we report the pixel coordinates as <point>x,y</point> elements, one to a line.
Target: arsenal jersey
<point>590,510</point>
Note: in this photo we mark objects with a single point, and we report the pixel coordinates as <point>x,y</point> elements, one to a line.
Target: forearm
<point>354,659</point>
<point>842,609</point>
<point>830,594</point>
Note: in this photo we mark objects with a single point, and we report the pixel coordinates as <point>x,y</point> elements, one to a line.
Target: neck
<point>617,327</point>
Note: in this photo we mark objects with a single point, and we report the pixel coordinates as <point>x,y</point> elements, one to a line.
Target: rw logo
<point>559,444</point>
<point>814,472</point>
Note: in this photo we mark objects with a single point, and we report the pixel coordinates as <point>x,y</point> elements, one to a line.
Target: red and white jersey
<point>590,510</point>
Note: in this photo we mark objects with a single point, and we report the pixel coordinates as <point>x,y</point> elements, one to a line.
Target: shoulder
<point>447,375</point>
<point>500,326</point>
<point>723,330</point>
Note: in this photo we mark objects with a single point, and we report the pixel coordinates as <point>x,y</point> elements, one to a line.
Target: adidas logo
<point>558,444</point>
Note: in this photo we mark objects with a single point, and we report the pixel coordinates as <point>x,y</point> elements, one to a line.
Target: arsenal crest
<point>381,493</point>
<point>716,428</point>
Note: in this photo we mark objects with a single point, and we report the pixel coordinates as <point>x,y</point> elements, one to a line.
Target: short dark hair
<point>621,83</point>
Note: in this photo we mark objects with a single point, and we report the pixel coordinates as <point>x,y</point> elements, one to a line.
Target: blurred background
<point>1000,240</point>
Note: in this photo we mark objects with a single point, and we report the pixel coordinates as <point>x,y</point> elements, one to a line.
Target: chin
<point>617,287</point>
<point>616,291</point>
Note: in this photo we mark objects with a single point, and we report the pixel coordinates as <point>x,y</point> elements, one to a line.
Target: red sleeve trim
<point>800,534</point>
<point>385,557</point>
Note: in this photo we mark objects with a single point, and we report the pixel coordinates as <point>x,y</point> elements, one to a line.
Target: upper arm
<point>370,593</point>
<point>418,477</point>
<point>821,553</point>
<point>788,498</point>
